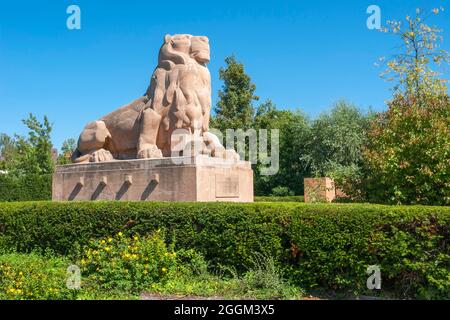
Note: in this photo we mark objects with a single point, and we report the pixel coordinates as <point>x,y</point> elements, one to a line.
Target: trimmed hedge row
<point>327,245</point>
<point>27,188</point>
<point>279,199</point>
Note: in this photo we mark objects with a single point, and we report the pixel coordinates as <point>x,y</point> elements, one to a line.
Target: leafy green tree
<point>234,109</point>
<point>293,134</point>
<point>335,145</point>
<point>34,152</point>
<point>408,153</point>
<point>67,149</point>
<point>7,150</point>
<point>414,67</point>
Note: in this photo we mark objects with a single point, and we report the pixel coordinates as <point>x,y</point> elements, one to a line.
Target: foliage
<point>335,145</point>
<point>282,191</point>
<point>316,245</point>
<point>420,53</point>
<point>293,135</point>
<point>129,264</point>
<point>33,277</point>
<point>330,145</point>
<point>27,162</point>
<point>263,280</point>
<point>7,150</point>
<point>33,154</point>
<point>68,148</point>
<point>30,187</point>
<point>266,276</point>
<point>234,108</point>
<point>409,152</point>
<point>410,249</point>
<point>279,199</point>
<point>140,268</point>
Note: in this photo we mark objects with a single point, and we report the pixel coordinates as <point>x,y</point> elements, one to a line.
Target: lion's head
<point>179,48</point>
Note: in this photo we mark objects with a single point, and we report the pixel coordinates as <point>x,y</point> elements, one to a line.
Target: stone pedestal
<point>197,178</point>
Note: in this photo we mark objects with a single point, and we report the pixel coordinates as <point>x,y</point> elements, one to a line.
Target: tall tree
<point>335,145</point>
<point>414,67</point>
<point>293,129</point>
<point>234,109</point>
<point>408,151</point>
<point>336,139</point>
<point>34,152</point>
<point>7,149</point>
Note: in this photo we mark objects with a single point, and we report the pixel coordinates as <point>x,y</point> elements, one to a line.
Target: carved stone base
<point>197,178</point>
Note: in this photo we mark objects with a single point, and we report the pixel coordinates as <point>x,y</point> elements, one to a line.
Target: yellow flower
<point>136,238</point>
<point>103,242</point>
<point>164,269</point>
<point>110,239</point>
<point>120,234</point>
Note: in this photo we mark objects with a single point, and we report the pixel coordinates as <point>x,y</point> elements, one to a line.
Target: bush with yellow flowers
<point>127,263</point>
<point>31,276</point>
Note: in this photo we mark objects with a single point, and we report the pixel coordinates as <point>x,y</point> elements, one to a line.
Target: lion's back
<point>123,125</point>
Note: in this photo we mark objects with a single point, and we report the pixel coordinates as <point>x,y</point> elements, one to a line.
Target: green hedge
<point>27,188</point>
<point>325,245</point>
<point>279,199</point>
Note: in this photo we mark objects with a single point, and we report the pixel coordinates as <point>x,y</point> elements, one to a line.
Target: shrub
<point>408,152</point>
<point>25,188</point>
<point>282,191</point>
<point>33,277</point>
<point>127,263</point>
<point>326,245</point>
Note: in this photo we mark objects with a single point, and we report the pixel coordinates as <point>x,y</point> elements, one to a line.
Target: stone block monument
<point>159,147</point>
<point>319,189</point>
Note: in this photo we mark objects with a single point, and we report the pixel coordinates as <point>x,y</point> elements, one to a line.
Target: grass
<point>36,276</point>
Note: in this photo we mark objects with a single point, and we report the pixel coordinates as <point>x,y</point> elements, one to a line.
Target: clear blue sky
<point>300,54</point>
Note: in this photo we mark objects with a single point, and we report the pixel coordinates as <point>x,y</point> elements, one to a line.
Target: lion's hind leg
<point>92,143</point>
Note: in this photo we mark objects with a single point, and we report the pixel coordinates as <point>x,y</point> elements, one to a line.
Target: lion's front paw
<point>150,152</point>
<point>100,155</point>
<point>228,154</point>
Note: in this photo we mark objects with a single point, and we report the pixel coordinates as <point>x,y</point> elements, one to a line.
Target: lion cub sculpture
<point>172,116</point>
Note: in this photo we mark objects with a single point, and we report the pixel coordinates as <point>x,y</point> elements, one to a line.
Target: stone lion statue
<point>172,115</point>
